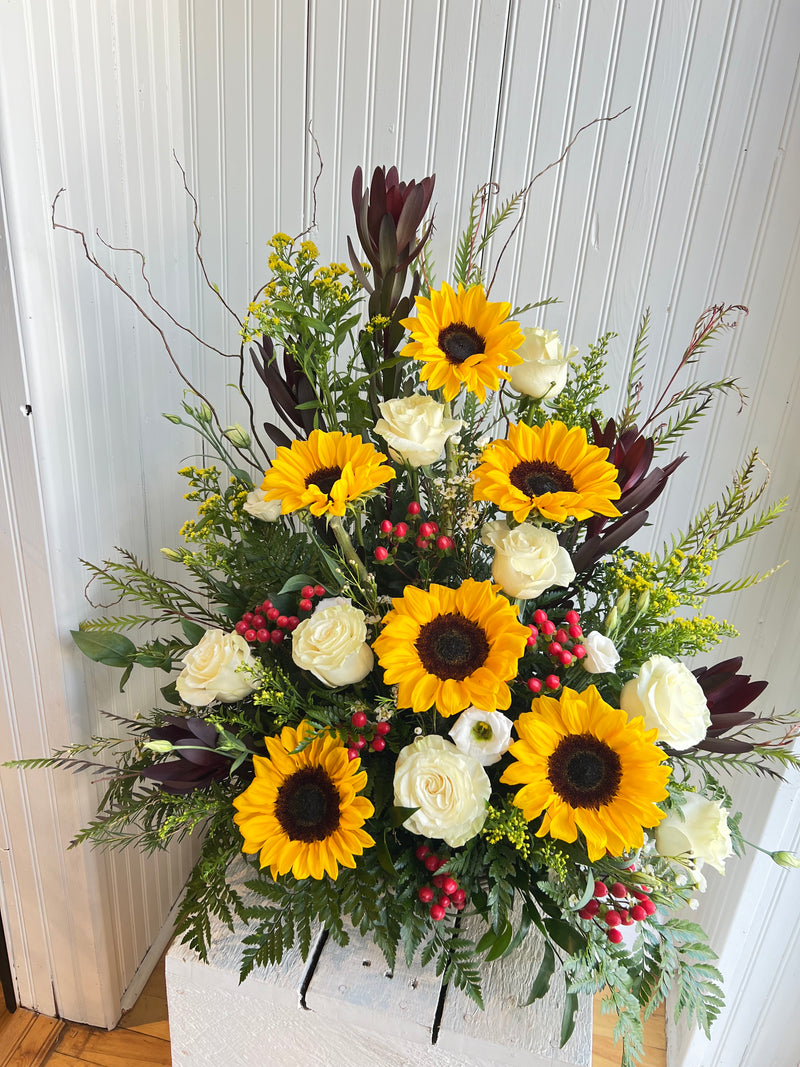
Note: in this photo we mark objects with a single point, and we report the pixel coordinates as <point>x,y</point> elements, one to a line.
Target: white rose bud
<point>527,559</point>
<point>543,371</point>
<point>695,835</point>
<point>484,735</point>
<point>415,429</point>
<point>449,789</point>
<point>668,696</point>
<point>601,654</point>
<point>332,644</point>
<point>259,508</point>
<point>212,670</point>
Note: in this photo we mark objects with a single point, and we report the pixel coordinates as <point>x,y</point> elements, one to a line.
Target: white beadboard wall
<point>688,198</point>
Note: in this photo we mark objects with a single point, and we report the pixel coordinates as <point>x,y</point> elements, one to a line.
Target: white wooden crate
<point>344,1008</point>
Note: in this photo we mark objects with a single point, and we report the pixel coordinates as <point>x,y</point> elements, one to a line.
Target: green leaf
<point>565,935</point>
<point>399,815</point>
<point>501,943</point>
<point>297,581</point>
<point>115,650</point>
<point>541,982</point>
<point>568,1018</point>
<point>170,693</point>
<point>124,679</point>
<point>192,631</point>
<point>385,856</point>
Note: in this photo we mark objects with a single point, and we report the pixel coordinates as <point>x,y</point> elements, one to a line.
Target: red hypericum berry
<point>613,918</point>
<point>534,632</point>
<point>248,618</point>
<point>539,616</point>
<point>435,527</point>
<point>381,554</point>
<point>432,862</point>
<point>625,918</point>
<point>548,627</point>
<point>530,642</point>
<point>438,880</point>
<point>282,621</point>
<point>640,894</point>
<point>258,622</point>
<point>426,894</point>
<point>562,636</point>
<point>649,906</point>
<point>584,913</point>
<point>449,885</point>
<point>307,591</point>
<point>262,635</point>
<point>572,617</point>
<point>266,606</point>
<point>592,906</point>
<point>305,605</point>
<point>359,742</point>
<point>554,648</point>
<point>565,658</point>
<point>249,635</point>
<point>578,651</point>
<point>614,935</point>
<point>422,542</point>
<point>319,590</point>
<point>552,681</point>
<point>443,543</point>
<point>638,913</point>
<point>437,912</point>
<point>378,744</point>
<point>618,890</point>
<point>292,623</point>
<point>600,890</point>
<point>458,896</point>
<point>276,637</point>
<point>400,530</point>
<point>534,685</point>
<point>413,508</point>
<point>387,526</point>
<point>382,728</point>
<point>426,529</point>
<point>273,614</point>
<point>440,862</point>
<point>241,628</point>
<point>575,632</point>
<point>459,905</point>
<point>359,720</point>
<point>444,901</point>
<point>353,753</point>
<point>421,851</point>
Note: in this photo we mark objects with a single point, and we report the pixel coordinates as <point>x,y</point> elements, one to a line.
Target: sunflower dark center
<point>459,341</point>
<point>307,806</point>
<point>534,478</point>
<point>452,646</point>
<point>325,478</point>
<point>585,771</point>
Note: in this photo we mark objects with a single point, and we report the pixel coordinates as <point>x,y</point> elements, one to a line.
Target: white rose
<point>449,789</point>
<point>211,670</point>
<point>484,735</point>
<point>332,644</point>
<point>259,508</point>
<point>601,654</point>
<point>669,697</point>
<point>415,429</point>
<point>695,835</point>
<point>527,559</point>
<point>543,372</point>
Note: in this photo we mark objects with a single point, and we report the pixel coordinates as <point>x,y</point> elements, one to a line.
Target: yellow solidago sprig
<point>220,508</point>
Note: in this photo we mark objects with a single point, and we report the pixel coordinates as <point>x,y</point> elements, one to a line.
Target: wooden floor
<point>142,1037</point>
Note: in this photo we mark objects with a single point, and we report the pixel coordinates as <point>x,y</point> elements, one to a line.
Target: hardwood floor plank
<point>36,1042</point>
<point>112,1048</point>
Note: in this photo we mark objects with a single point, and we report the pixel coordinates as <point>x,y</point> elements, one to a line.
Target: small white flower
<point>259,508</point>
<point>213,670</point>
<point>696,834</point>
<point>668,696</point>
<point>332,644</point>
<point>484,735</point>
<point>415,429</point>
<point>601,654</point>
<point>448,789</point>
<point>543,372</point>
<point>527,559</point>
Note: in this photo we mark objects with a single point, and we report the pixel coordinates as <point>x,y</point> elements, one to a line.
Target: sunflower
<point>585,768</point>
<point>450,648</point>
<point>325,473</point>
<point>551,469</point>
<point>301,811</point>
<point>462,339</point>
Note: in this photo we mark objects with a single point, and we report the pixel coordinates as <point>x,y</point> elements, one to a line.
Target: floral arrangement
<point>426,685</point>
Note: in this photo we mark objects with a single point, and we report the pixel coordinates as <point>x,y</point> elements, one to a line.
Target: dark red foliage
<point>727,694</point>
<point>197,765</point>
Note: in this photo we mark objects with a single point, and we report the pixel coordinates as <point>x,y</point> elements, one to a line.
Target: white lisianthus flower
<point>601,654</point>
<point>216,669</point>
<point>543,371</point>
<point>527,559</point>
<point>668,696</point>
<point>484,735</point>
<point>332,644</point>
<point>415,429</point>
<point>695,835</point>
<point>449,789</point>
<point>259,508</point>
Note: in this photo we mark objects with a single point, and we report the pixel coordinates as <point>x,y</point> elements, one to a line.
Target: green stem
<point>451,469</point>
<point>348,551</point>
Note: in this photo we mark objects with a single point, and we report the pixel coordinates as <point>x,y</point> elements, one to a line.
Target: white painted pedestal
<point>345,1009</point>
